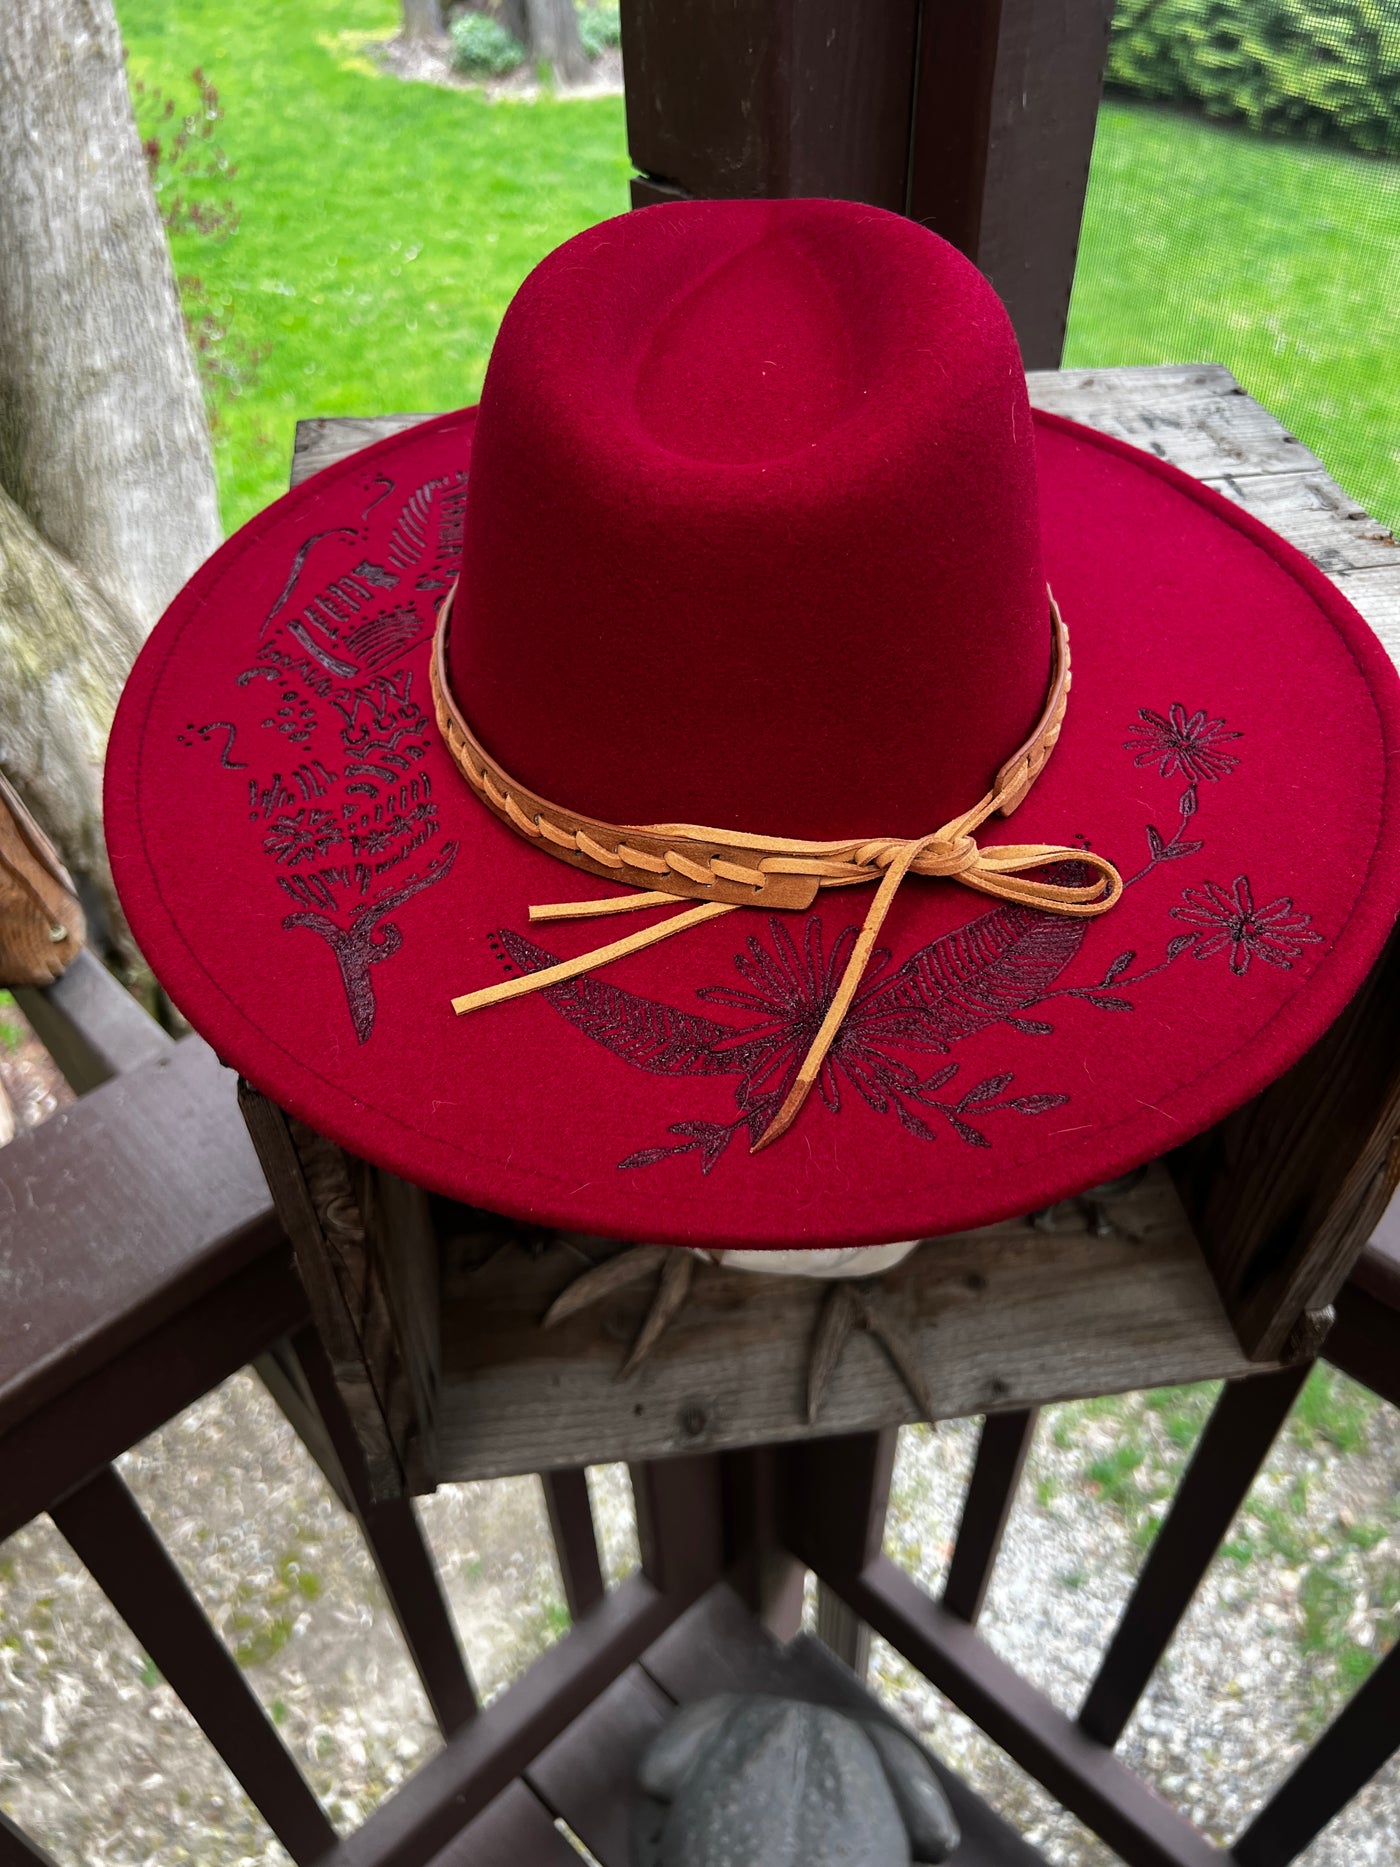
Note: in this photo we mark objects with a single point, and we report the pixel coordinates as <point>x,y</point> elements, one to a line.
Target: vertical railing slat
<point>575,1541</point>
<point>1242,1427</point>
<point>991,1491</point>
<point>396,1545</point>
<point>1358,1742</point>
<point>112,1539</point>
<point>836,1495</point>
<point>17,1850</point>
<point>680,1522</point>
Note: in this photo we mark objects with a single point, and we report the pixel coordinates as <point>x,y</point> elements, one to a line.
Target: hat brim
<point>312,881</point>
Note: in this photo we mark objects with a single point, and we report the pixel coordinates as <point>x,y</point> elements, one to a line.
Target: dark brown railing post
<point>1360,1741</point>
<point>1005,109</point>
<point>835,1497</point>
<point>763,1571</point>
<point>128,1561</point>
<point>575,1540</point>
<point>680,1523</point>
<point>394,1539</point>
<point>1235,1443</point>
<point>735,98</point>
<point>975,117</point>
<point>991,1491</point>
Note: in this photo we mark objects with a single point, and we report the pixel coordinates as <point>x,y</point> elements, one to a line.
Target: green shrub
<point>599,27</point>
<point>1310,68</point>
<point>482,47</point>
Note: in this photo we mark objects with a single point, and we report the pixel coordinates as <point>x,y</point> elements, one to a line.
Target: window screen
<point>1244,208</point>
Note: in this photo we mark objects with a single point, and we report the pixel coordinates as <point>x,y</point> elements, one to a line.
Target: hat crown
<point>752,533</point>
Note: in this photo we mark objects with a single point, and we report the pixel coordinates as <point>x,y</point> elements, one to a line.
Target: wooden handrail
<point>119,1212</point>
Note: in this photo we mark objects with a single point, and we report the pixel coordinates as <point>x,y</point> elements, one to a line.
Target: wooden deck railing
<point>187,1278</point>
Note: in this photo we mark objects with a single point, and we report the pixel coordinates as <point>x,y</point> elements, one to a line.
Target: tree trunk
<point>110,501</point>
<point>511,14</point>
<point>103,438</point>
<point>552,26</point>
<point>422,19</point>
<point>64,654</point>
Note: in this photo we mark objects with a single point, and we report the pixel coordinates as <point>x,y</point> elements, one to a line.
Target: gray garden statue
<point>775,1782</point>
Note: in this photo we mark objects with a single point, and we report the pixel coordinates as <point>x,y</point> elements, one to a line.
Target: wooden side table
<point>1220,1260</point>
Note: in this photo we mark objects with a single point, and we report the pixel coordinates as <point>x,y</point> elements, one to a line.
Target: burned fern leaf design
<point>979,975</point>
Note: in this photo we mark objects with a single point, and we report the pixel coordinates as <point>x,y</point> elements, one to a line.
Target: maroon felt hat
<point>732,604</point>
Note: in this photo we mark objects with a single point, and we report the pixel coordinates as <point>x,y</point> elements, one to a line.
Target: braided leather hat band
<point>723,870</point>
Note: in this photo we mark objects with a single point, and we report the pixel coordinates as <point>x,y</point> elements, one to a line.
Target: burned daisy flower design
<point>1189,743</point>
<point>1230,922</point>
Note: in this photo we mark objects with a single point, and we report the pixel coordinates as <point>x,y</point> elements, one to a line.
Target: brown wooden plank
<point>717,1645</point>
<point>1285,1192</point>
<point>575,1542</point>
<point>1006,1317</point>
<point>117,1213</point>
<point>1358,1742</point>
<point>1194,415</point>
<point>423,1817</point>
<point>93,1418</point>
<point>516,1830</point>
<point>1243,1425</point>
<point>1004,119</point>
<point>281,1374</point>
<point>757,1563</point>
<point>1085,1776</point>
<point>323,440</point>
<point>647,193</point>
<point>1001,1456</point>
<point>129,1563</point>
<point>91,1025</point>
<point>368,1256</point>
<point>587,1776</point>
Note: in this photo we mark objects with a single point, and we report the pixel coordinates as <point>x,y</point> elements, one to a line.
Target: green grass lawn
<point>1278,259</point>
<point>385,226</point>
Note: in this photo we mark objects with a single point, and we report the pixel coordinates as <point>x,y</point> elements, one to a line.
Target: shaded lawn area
<point>385,225</point>
<point>1279,259</point>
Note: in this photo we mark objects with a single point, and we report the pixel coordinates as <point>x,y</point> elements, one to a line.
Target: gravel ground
<point>100,1762</point>
<point>1292,1614</point>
